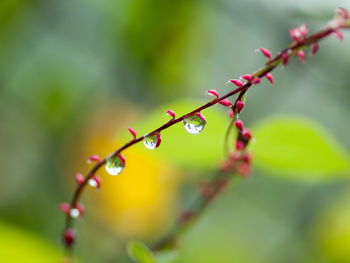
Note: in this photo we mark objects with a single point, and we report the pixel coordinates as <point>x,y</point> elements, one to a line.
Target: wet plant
<point>238,161</point>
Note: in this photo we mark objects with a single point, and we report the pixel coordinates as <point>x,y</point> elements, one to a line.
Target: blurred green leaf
<point>298,148</point>
<point>18,245</point>
<point>200,151</point>
<point>139,252</point>
<point>168,256</point>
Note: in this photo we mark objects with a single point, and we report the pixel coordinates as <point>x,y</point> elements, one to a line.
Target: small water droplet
<point>92,182</point>
<point>74,212</point>
<point>115,165</point>
<point>152,141</point>
<point>195,124</point>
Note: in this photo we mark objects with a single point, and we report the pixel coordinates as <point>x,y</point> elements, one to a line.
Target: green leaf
<point>200,151</point>
<point>19,245</point>
<point>298,148</point>
<point>167,256</point>
<point>139,252</point>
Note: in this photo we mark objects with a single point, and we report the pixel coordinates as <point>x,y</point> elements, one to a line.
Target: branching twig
<point>301,41</point>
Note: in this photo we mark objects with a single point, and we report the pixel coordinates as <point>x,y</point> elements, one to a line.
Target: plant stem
<point>269,66</point>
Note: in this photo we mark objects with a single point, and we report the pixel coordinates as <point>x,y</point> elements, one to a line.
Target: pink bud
<point>343,13</point>
<point>94,158</point>
<point>301,55</point>
<point>64,208</point>
<point>247,134</point>
<point>295,34</point>
<point>122,158</point>
<point>239,106</point>
<point>230,113</point>
<point>270,78</point>
<point>303,30</point>
<point>266,52</point>
<point>200,115</point>
<point>256,80</point>
<point>314,48</point>
<point>225,102</point>
<point>213,92</point>
<point>285,59</point>
<point>247,77</point>
<point>79,178</point>
<point>159,140</point>
<point>133,132</point>
<point>339,35</point>
<point>95,181</point>
<point>244,169</point>
<point>239,145</point>
<point>239,125</point>
<point>171,113</point>
<point>237,82</point>
<point>247,157</point>
<point>68,237</point>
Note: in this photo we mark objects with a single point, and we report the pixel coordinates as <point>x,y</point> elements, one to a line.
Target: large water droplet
<point>74,213</point>
<point>195,124</point>
<point>152,141</point>
<point>115,165</point>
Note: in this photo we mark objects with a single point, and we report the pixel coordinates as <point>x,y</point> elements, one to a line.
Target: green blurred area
<point>75,74</point>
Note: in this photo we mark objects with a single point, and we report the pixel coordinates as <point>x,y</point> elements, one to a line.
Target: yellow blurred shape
<point>139,200</point>
<point>333,231</point>
<point>19,245</point>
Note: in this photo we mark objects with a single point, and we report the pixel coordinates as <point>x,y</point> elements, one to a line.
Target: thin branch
<point>291,50</point>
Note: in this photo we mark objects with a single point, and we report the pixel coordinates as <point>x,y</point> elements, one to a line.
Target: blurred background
<point>75,74</point>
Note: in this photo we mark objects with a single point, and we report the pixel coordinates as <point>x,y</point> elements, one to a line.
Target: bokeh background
<point>75,74</point>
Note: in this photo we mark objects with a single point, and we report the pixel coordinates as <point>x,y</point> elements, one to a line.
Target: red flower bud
<point>247,158</point>
<point>122,158</point>
<point>295,34</point>
<point>133,132</point>
<point>247,77</point>
<point>230,113</point>
<point>237,82</point>
<point>225,102</point>
<point>339,35</point>
<point>301,55</point>
<point>171,114</point>
<point>343,13</point>
<point>285,59</point>
<point>266,52</point>
<point>314,48</point>
<point>213,92</point>
<point>64,208</point>
<point>244,169</point>
<point>68,237</point>
<point>159,139</point>
<point>239,125</point>
<point>79,178</point>
<point>256,80</point>
<point>239,106</point>
<point>247,134</point>
<point>239,145</point>
<point>93,158</point>
<point>200,115</point>
<point>303,30</point>
<point>269,77</point>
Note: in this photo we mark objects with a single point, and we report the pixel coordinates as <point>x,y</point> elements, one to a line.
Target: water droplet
<point>115,165</point>
<point>152,141</point>
<point>195,124</point>
<point>92,182</point>
<point>74,212</point>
